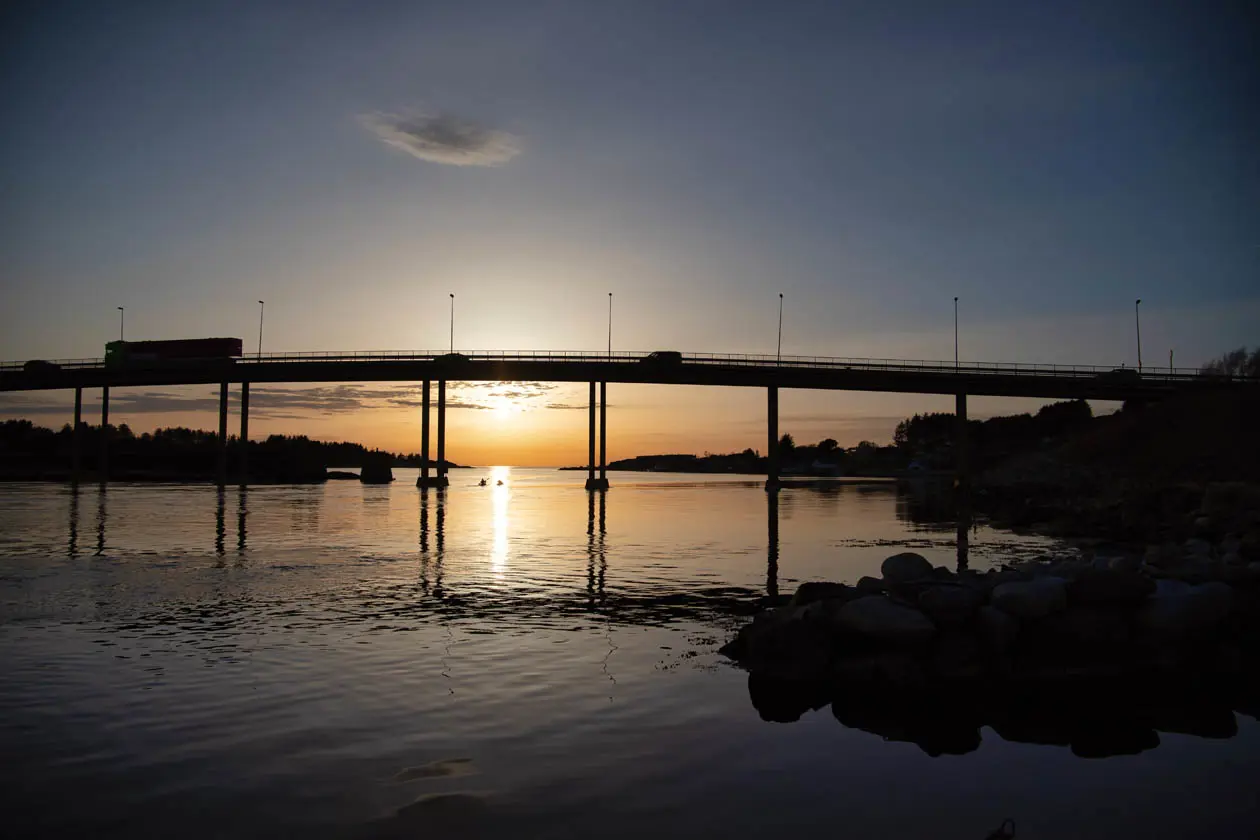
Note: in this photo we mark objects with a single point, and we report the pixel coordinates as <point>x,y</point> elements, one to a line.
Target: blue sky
<point>1047,163</point>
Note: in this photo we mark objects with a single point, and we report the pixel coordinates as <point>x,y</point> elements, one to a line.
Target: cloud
<point>443,138</point>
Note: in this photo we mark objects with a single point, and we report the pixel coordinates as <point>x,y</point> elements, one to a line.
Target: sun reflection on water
<point>500,478</point>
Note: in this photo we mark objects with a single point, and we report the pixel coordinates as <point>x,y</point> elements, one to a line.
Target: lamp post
<point>955,332</point>
<point>452,322</point>
<point>778,353</point>
<point>122,323</point>
<point>610,326</point>
<point>1137,318</point>
<point>262,308</point>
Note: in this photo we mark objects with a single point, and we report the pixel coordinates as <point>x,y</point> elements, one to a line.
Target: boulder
<point>998,630</point>
<point>868,585</point>
<point>950,605</point>
<point>905,567</point>
<point>1125,563</point>
<point>1197,548</point>
<point>1030,599</point>
<point>818,590</point>
<point>1110,587</point>
<point>1195,610</point>
<point>876,617</point>
<point>1090,627</point>
<point>957,655</point>
<point>376,470</point>
<point>893,668</point>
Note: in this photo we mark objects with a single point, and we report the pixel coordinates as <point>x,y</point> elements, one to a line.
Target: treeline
<point>29,450</point>
<point>929,438</point>
<point>1234,363</point>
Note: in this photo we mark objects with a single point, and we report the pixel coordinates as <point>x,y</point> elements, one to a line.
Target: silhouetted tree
<point>1234,363</point>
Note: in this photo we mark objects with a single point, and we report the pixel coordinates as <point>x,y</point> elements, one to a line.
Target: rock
<point>1203,524</point>
<point>376,471</point>
<point>950,605</point>
<point>878,618</point>
<point>893,668</point>
<point>818,590</point>
<point>1166,587</point>
<point>1197,609</point>
<point>1030,599</point>
<point>868,585</point>
<point>942,573</point>
<point>1125,563</point>
<point>957,656</point>
<point>1232,544</point>
<point>782,644</point>
<point>1232,560</point>
<point>905,567</point>
<point>1092,627</point>
<point>784,701</point>
<point>998,630</point>
<point>1108,586</point>
<point>1162,556</point>
<point>1198,548</point>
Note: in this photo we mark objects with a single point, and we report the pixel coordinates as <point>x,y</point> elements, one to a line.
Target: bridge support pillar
<point>442,480</point>
<point>242,465</point>
<point>221,470</point>
<point>962,461</point>
<point>593,483</point>
<point>425,480</point>
<point>76,438</point>
<point>772,438</point>
<point>102,459</point>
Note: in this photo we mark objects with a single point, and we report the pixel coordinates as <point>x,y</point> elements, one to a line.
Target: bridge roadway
<point>748,371</point>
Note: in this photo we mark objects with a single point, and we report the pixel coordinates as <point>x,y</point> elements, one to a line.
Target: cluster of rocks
<point>920,631</point>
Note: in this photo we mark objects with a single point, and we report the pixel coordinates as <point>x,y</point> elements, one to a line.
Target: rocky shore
<point>1100,652</point>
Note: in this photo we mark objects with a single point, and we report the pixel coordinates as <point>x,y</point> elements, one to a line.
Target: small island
<point>34,453</point>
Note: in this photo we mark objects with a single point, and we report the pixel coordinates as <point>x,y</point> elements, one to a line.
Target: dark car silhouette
<point>663,357</point>
<point>40,366</point>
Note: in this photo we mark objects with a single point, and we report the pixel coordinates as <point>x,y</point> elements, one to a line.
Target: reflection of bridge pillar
<point>962,465</point>
<point>591,481</point>
<point>425,480</point>
<point>242,466</point>
<point>221,472</point>
<point>102,466</point>
<point>772,437</point>
<point>442,480</point>
<point>772,545</point>
<point>76,437</point>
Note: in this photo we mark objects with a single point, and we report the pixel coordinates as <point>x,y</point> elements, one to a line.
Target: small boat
<point>482,483</point>
<point>500,482</point>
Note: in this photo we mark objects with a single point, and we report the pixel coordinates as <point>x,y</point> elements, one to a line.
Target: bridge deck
<point>811,372</point>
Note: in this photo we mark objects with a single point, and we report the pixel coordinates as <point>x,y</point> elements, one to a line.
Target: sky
<point>355,163</point>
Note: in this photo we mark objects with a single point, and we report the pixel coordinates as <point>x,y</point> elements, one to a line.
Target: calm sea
<point>523,660</point>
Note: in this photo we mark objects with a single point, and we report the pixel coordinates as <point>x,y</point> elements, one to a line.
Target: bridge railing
<point>967,368</point>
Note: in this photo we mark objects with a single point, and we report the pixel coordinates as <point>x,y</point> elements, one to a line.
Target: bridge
<point>707,369</point>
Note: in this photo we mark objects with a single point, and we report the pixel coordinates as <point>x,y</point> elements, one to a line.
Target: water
<point>527,660</point>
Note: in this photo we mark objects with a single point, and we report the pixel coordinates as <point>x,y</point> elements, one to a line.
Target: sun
<point>504,407</point>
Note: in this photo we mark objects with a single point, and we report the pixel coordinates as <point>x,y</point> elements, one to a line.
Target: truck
<point>175,351</point>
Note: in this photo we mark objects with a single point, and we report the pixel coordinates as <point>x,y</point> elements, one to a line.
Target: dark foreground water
<point>519,661</point>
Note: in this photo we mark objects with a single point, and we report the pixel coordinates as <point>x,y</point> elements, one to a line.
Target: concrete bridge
<point>599,369</point>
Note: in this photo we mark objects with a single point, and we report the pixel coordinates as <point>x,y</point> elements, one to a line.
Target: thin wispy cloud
<point>443,138</point>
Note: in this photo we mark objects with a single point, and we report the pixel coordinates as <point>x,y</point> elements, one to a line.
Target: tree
<point>826,446</point>
<point>786,445</point>
<point>1234,363</point>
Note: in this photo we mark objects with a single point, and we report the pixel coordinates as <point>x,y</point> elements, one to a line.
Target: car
<point>663,357</point>
<point>452,357</point>
<point>40,366</point>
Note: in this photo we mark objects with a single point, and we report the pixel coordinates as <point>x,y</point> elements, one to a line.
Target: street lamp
<point>610,326</point>
<point>1137,317</point>
<point>955,332</point>
<point>778,353</point>
<point>452,322</point>
<point>262,307</point>
<point>122,323</point>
